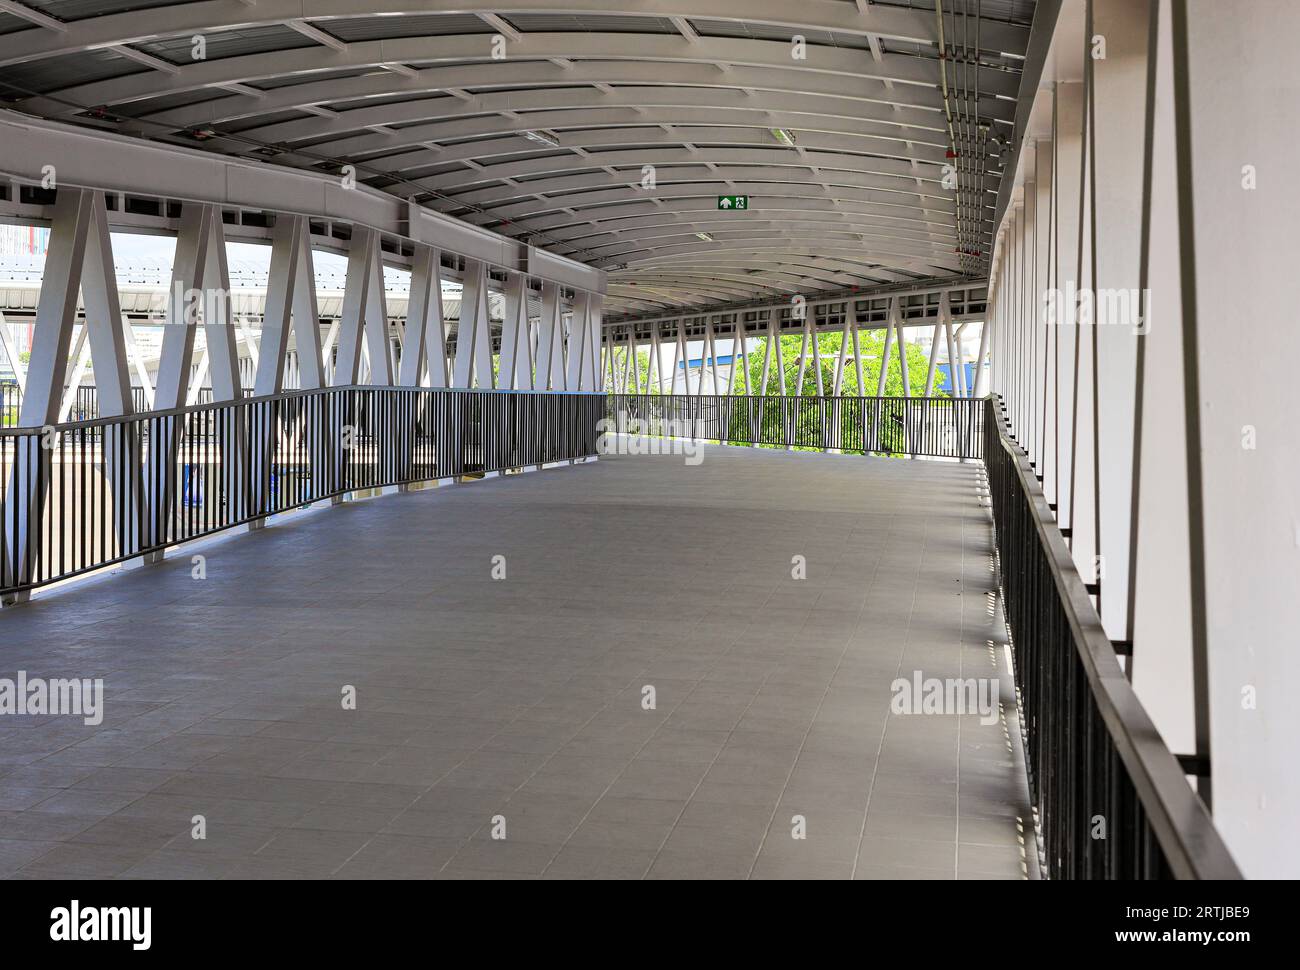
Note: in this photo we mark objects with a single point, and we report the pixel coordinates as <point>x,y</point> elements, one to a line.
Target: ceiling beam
<point>846,65</point>
<point>148,60</point>
<point>434,118</point>
<point>24,12</point>
<point>500,26</point>
<point>186,19</point>
<point>318,35</point>
<point>685,29</point>
<point>542,75</point>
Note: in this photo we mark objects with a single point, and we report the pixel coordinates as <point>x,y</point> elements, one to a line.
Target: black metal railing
<point>83,495</point>
<point>84,405</point>
<point>930,427</point>
<point>1112,800</point>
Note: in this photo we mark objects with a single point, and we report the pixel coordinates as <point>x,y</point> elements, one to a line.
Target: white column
<point>1083,458</point>
<point>1025,308</point>
<point>550,341</point>
<point>577,340</point>
<point>803,358</point>
<point>437,366</point>
<point>857,358</point>
<point>707,362</point>
<point>1162,664</point>
<point>104,315</point>
<point>364,313</point>
<point>778,358</point>
<point>817,359</point>
<point>79,259</point>
<point>419,305</point>
<point>47,372</point>
<point>1120,90</point>
<point>595,327</point>
<point>654,375</point>
<point>631,370</point>
<point>1068,172</point>
<point>218,328</point>
<point>1041,278</point>
<point>276,319</point>
<point>616,381</point>
<point>514,331</point>
<point>715,383</point>
<point>770,348</point>
<point>953,362</point>
<point>306,319</point>
<point>175,359</point>
<point>56,310</point>
<point>473,333</point>
<point>137,361</point>
<point>1235,157</point>
<point>902,354</point>
<point>981,372</point>
<point>837,382</point>
<point>347,367</point>
<point>886,350</point>
<point>934,348</point>
<point>681,359</point>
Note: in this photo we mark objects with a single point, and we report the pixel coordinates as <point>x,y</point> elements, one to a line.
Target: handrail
<point>802,397</point>
<point>938,427</point>
<point>198,408</point>
<point>1191,845</point>
<point>103,491</point>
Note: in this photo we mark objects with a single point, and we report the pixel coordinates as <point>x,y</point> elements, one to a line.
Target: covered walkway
<point>517,705</point>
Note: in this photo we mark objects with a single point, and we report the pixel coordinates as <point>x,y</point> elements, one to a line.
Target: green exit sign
<point>733,202</point>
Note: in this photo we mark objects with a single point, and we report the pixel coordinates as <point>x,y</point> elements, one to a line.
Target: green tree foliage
<point>871,344</point>
<point>865,425</point>
<point>862,425</point>
<point>642,366</point>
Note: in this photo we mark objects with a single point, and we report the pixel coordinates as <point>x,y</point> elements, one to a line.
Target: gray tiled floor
<point>522,697</point>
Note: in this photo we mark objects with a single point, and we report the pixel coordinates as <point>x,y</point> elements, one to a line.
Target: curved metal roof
<point>867,135</point>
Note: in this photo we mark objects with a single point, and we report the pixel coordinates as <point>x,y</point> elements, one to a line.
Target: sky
<point>133,246</point>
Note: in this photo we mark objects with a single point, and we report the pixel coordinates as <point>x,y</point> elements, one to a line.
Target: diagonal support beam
<point>550,342</point>
<point>316,34</point>
<point>473,363</point>
<point>364,315</point>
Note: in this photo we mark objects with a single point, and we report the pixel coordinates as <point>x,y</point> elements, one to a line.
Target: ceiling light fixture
<point>784,135</point>
<point>705,236</point>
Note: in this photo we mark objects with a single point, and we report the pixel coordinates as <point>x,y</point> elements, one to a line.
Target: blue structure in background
<point>947,383</point>
<point>695,363</point>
